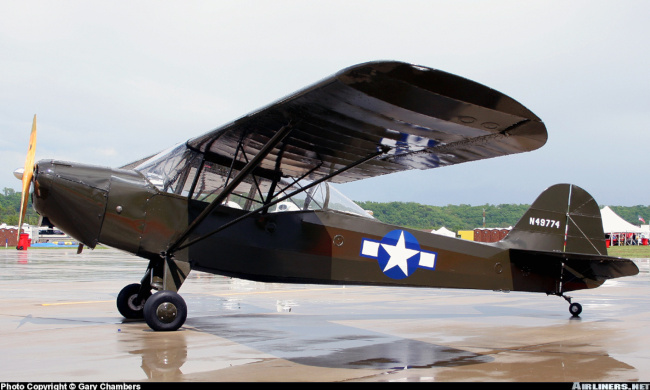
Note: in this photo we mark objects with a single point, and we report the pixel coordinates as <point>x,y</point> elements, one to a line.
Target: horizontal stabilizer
<point>579,271</point>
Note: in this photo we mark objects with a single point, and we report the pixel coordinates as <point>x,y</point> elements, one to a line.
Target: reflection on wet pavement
<point>59,314</point>
<point>318,342</point>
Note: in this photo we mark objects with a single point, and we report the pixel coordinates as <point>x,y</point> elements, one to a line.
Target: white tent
<point>443,231</point>
<point>618,230</point>
<point>612,223</point>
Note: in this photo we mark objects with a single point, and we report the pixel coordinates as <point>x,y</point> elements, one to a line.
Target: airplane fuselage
<point>121,209</point>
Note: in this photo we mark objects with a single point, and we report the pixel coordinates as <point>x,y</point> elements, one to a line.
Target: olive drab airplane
<point>253,199</point>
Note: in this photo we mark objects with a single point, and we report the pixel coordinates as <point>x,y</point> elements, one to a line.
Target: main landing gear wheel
<point>575,309</point>
<point>165,311</point>
<point>127,302</point>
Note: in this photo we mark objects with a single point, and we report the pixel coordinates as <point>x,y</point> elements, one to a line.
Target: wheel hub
<point>166,312</point>
<point>132,304</point>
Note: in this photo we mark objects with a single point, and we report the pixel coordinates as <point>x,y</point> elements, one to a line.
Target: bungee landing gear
<point>155,298</point>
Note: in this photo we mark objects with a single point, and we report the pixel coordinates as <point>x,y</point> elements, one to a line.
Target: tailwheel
<point>128,303</point>
<point>165,311</point>
<point>575,309</point>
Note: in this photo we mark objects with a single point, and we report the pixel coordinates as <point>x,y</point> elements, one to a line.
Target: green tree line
<point>466,217</point>
<point>10,208</point>
<point>632,214</point>
<point>410,214</point>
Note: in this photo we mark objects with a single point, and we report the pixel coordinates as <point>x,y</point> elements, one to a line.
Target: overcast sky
<point>112,82</point>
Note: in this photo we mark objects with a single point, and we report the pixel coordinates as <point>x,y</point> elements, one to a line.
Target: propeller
<point>27,174</point>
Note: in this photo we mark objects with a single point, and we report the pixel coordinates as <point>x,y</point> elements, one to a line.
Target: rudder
<point>563,218</point>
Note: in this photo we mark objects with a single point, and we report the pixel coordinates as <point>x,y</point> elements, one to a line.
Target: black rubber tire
<point>575,309</point>
<point>125,304</point>
<point>165,311</point>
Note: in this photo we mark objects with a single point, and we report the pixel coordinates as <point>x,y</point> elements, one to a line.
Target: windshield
<point>170,169</point>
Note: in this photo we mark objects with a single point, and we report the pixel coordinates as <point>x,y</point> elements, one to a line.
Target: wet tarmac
<point>59,323</point>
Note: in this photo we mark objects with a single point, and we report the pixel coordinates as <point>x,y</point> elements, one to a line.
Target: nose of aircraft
<point>73,196</point>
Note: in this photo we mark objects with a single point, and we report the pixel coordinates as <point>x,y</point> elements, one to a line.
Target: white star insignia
<point>399,254</point>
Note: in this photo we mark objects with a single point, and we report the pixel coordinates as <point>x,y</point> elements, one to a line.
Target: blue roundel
<point>399,254</point>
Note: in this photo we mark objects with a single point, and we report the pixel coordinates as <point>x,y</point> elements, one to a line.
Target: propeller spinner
<point>27,174</point>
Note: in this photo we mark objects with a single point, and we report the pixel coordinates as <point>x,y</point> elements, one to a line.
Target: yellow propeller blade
<point>27,175</point>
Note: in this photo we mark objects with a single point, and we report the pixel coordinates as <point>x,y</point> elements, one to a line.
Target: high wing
<point>401,115</point>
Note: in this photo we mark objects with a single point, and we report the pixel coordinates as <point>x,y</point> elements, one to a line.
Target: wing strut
<point>177,245</point>
<point>272,143</point>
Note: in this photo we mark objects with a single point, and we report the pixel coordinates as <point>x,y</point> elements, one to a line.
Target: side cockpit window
<point>185,172</point>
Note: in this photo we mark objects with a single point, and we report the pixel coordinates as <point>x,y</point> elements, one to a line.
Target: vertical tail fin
<point>564,218</point>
